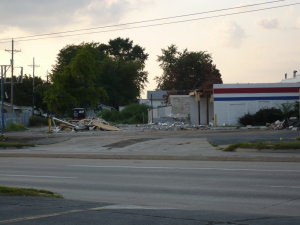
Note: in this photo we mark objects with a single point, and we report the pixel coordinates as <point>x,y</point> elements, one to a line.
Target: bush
<point>261,117</point>
<point>111,116</point>
<point>15,127</point>
<point>270,115</point>
<point>247,119</point>
<point>290,110</point>
<point>131,114</point>
<point>38,121</point>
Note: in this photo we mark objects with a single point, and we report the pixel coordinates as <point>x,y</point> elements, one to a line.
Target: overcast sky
<point>247,48</point>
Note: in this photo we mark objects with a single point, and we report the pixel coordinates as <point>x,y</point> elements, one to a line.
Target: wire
<point>143,21</point>
<point>161,24</point>
<point>158,24</point>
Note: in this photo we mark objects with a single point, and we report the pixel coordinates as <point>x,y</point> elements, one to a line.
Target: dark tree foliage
<point>74,85</point>
<point>186,70</point>
<point>123,49</point>
<point>23,91</point>
<point>90,73</point>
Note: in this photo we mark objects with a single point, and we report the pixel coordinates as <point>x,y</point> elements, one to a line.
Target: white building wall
<point>184,106</point>
<point>230,104</point>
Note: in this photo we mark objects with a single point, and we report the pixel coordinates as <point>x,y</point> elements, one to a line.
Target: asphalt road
<point>153,192</point>
<point>225,138</point>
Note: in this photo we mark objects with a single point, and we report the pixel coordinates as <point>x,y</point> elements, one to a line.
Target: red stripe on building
<point>256,90</point>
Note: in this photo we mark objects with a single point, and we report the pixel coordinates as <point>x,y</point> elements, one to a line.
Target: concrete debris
<point>90,124</point>
<point>163,126</point>
<point>277,125</point>
<point>292,124</point>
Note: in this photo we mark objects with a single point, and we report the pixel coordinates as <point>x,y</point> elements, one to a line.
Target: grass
<point>14,144</point>
<point>15,127</point>
<point>212,144</point>
<point>14,191</point>
<point>264,145</point>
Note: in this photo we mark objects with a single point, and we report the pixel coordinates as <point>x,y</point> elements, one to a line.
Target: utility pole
<point>33,70</point>
<point>47,77</point>
<point>12,51</point>
<point>3,71</point>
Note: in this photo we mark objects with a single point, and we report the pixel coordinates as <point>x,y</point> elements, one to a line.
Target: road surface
<point>196,189</point>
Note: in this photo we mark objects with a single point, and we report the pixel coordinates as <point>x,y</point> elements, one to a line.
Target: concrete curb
<point>155,157</point>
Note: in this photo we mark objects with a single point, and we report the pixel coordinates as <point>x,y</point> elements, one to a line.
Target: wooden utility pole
<point>3,71</point>
<point>33,74</point>
<point>12,51</point>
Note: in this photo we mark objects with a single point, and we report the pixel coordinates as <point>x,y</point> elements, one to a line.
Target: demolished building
<point>225,103</point>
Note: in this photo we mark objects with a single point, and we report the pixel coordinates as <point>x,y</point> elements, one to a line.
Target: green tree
<point>127,62</point>
<point>23,91</point>
<point>187,70</point>
<point>91,73</point>
<point>74,85</point>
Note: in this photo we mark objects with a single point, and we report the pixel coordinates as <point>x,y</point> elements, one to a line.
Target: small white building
<point>232,101</point>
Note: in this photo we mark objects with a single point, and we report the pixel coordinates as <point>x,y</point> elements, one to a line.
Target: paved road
<point>159,192</point>
<point>225,138</point>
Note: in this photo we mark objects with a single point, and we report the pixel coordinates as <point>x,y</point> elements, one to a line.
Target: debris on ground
<point>164,126</point>
<point>292,124</point>
<point>277,125</point>
<point>84,124</point>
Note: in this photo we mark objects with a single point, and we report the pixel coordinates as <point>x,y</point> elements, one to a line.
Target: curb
<point>154,157</point>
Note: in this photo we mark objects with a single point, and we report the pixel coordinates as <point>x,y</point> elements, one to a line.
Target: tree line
<point>113,74</point>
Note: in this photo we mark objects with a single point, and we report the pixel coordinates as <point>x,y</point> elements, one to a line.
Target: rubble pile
<point>277,125</point>
<point>163,126</point>
<point>84,124</point>
<point>292,123</point>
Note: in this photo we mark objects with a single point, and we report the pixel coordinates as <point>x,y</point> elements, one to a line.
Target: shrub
<point>15,127</point>
<point>290,110</point>
<point>36,121</point>
<point>262,117</point>
<point>247,119</point>
<point>131,114</point>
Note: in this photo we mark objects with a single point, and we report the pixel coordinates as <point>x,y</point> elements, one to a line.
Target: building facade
<point>232,101</point>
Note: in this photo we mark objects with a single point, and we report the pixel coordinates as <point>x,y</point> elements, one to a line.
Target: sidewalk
<point>150,145</point>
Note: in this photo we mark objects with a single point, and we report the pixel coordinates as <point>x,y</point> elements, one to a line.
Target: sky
<point>254,47</point>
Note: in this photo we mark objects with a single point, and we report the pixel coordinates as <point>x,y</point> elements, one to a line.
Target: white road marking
<point>186,168</point>
<point>73,211</point>
<point>278,186</point>
<point>294,187</point>
<point>35,176</point>
<point>130,207</point>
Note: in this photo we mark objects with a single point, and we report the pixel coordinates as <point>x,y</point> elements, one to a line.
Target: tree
<point>123,52</point>
<point>23,91</point>
<point>74,84</point>
<point>186,71</point>
<point>120,79</point>
<point>90,73</point>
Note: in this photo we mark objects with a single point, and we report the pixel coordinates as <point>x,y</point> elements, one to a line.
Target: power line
<point>161,24</point>
<point>145,21</point>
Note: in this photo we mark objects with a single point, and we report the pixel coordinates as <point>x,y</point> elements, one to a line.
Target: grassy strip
<point>265,145</point>
<point>15,144</point>
<point>15,127</point>
<point>212,144</point>
<point>14,191</point>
